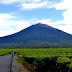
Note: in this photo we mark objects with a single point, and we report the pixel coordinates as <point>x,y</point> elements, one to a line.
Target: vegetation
<point>59,58</point>
<point>4,51</point>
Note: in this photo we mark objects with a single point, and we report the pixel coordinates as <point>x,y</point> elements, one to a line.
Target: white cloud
<point>65,28</point>
<point>50,23</point>
<point>31,0</point>
<point>64,4</point>
<point>34,5</point>
<point>36,0</point>
<point>67,14</point>
<point>5,16</point>
<point>31,4</point>
<point>66,23</point>
<point>45,21</point>
<point>9,26</point>
<point>13,1</point>
<point>9,1</point>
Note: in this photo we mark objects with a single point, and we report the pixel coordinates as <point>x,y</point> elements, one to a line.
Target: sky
<point>16,15</point>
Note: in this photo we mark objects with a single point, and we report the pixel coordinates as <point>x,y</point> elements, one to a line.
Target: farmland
<point>56,59</point>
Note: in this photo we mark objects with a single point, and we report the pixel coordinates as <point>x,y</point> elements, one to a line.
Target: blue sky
<point>16,15</point>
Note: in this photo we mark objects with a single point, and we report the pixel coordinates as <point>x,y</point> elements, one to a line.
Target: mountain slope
<point>39,35</point>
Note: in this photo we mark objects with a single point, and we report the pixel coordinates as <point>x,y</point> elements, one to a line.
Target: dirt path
<point>5,63</point>
<point>17,67</point>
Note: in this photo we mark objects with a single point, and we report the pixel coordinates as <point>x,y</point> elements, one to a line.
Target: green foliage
<point>4,51</point>
<point>63,59</point>
<point>62,55</point>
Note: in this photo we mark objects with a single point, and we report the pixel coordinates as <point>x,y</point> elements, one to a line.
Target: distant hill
<point>37,36</point>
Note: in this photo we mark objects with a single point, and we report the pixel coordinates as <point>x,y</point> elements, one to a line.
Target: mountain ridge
<point>38,35</point>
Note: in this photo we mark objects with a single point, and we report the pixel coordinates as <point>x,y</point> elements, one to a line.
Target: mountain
<point>37,36</point>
